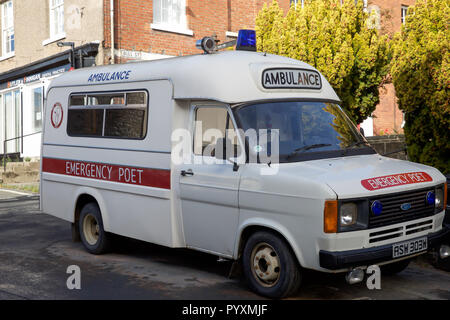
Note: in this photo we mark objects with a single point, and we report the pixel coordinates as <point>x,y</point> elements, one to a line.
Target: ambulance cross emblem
<point>56,115</point>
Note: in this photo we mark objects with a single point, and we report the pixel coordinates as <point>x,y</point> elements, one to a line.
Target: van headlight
<point>439,199</point>
<point>348,214</point>
<point>353,214</point>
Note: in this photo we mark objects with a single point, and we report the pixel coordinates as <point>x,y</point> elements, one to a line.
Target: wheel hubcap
<point>91,229</point>
<point>265,265</point>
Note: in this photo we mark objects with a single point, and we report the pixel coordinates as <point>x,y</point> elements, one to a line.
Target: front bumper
<point>365,257</point>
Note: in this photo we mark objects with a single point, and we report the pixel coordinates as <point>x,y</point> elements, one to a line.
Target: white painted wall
<point>367,126</point>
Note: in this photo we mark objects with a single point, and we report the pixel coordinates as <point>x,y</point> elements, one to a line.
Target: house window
<point>56,18</point>
<point>7,28</point>
<point>170,15</point>
<point>404,12</point>
<point>295,2</point>
<point>37,100</point>
<point>12,120</point>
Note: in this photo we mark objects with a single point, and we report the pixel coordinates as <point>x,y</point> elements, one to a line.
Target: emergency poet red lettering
<point>104,172</point>
<point>158,178</point>
<point>88,170</point>
<point>395,180</point>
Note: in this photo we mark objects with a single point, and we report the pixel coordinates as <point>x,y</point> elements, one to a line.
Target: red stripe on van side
<point>157,178</point>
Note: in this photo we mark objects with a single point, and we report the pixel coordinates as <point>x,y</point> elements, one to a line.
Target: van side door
<point>209,186</point>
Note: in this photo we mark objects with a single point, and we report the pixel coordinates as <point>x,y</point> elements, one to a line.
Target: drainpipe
<point>111,5</point>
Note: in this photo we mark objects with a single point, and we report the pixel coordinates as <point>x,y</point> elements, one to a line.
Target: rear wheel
<point>92,234</point>
<point>438,262</point>
<point>394,268</point>
<point>269,266</point>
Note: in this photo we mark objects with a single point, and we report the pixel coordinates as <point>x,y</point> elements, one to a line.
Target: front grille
<point>392,213</point>
<point>401,231</point>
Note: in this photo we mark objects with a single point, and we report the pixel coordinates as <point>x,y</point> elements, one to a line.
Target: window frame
<point>6,28</point>
<point>295,2</point>
<point>230,117</point>
<point>170,26</point>
<point>53,33</point>
<point>16,126</point>
<point>108,107</point>
<point>32,90</point>
<point>403,13</point>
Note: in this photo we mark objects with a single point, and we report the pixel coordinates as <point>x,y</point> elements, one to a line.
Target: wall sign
<point>35,77</point>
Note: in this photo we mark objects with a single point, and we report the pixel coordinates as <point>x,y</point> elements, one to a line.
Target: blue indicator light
<point>246,40</point>
<point>431,197</point>
<point>376,207</point>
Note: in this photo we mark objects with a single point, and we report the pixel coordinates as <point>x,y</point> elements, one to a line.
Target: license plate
<point>409,247</point>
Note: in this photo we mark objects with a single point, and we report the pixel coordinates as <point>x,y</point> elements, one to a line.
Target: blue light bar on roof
<point>246,40</point>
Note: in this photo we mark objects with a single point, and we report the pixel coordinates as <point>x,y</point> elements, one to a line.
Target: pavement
<point>36,249</point>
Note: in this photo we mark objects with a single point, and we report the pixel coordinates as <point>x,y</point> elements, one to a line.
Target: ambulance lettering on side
<point>107,76</point>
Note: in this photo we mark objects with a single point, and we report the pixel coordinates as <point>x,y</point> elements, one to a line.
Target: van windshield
<point>306,130</point>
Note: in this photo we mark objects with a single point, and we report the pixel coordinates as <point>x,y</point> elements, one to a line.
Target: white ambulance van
<point>328,202</point>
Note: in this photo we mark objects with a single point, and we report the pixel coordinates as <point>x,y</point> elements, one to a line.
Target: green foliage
<point>421,73</point>
<point>336,40</point>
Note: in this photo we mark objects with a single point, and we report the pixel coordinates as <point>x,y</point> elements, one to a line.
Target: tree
<point>337,40</point>
<point>421,73</point>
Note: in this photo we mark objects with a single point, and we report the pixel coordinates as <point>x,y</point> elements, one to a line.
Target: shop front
<point>22,94</point>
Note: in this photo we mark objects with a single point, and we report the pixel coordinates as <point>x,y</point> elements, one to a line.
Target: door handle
<point>187,172</point>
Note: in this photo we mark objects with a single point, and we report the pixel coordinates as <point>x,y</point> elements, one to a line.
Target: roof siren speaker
<point>207,44</point>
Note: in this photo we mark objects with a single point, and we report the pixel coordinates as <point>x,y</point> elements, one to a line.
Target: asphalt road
<point>36,249</point>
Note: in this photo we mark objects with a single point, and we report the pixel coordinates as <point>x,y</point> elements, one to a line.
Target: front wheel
<point>269,266</point>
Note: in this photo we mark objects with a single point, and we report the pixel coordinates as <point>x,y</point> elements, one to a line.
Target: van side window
<point>114,115</point>
<point>212,123</point>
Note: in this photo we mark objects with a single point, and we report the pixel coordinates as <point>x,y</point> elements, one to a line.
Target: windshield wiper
<point>308,147</point>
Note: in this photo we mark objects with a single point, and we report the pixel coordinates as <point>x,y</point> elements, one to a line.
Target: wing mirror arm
<point>221,145</point>
<point>361,130</point>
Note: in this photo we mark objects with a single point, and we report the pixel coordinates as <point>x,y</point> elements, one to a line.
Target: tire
<point>437,261</point>
<point>265,251</point>
<point>394,268</point>
<point>442,264</point>
<point>94,238</point>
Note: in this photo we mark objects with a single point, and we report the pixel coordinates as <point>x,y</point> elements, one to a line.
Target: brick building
<point>387,118</point>
<point>151,29</point>
<point>145,29</point>
<point>41,39</point>
<point>30,57</point>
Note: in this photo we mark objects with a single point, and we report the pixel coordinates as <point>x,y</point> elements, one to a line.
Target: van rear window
<point>108,115</point>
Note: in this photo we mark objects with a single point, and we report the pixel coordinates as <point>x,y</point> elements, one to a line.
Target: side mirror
<point>361,130</point>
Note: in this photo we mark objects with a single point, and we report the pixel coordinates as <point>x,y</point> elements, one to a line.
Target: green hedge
<point>421,76</point>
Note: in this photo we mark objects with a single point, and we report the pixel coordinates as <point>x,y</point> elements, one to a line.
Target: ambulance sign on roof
<point>291,78</point>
